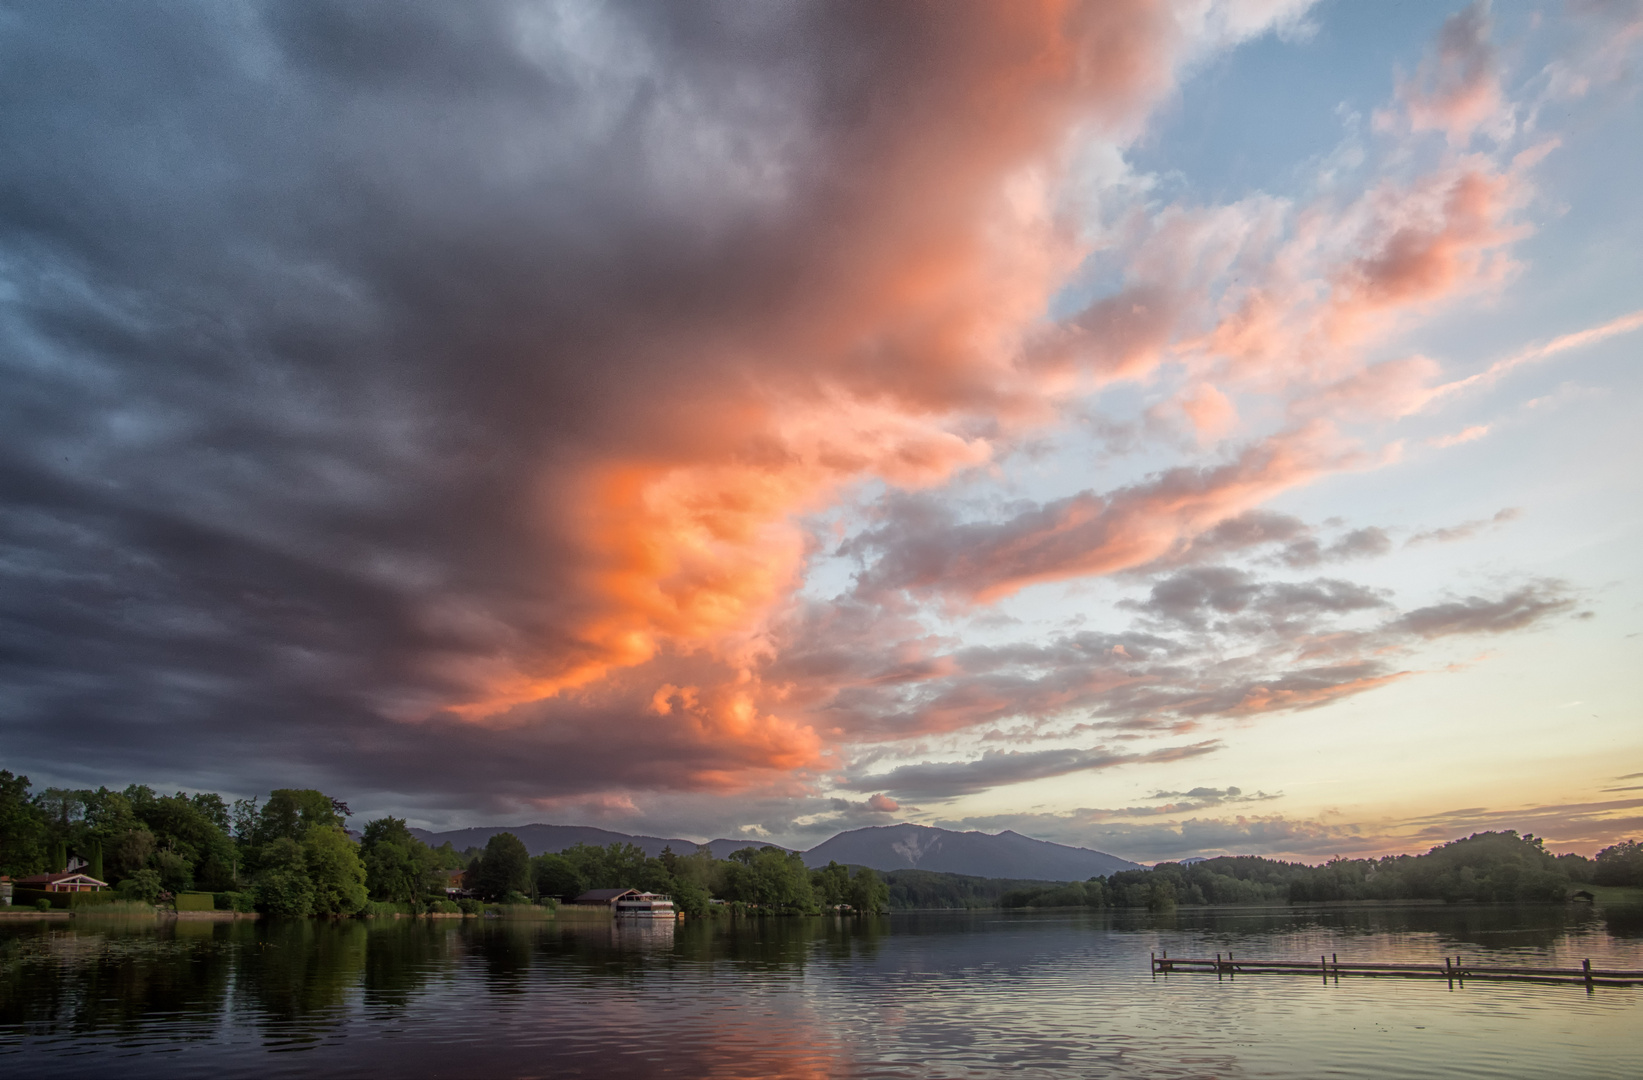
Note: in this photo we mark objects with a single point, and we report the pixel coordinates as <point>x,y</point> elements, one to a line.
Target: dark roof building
<point>607,897</point>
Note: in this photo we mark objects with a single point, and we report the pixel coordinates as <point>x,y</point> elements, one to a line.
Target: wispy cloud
<point>996,768</point>
<point>1466,529</point>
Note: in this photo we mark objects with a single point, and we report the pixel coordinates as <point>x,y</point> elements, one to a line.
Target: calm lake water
<point>910,995</point>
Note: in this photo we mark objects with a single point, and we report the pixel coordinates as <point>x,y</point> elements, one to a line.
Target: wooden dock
<point>1453,969</point>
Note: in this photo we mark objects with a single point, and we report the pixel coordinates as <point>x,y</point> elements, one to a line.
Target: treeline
<point>292,855</point>
<point>767,880</point>
<point>1489,867</point>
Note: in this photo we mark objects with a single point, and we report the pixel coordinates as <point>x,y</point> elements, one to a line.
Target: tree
<point>176,871</point>
<point>62,808</point>
<point>398,866</point>
<point>22,828</point>
<point>555,876</point>
<point>770,877</point>
<point>335,871</point>
<point>144,885</point>
<point>1621,864</point>
<point>689,898</point>
<point>291,812</point>
<point>618,866</point>
<point>831,884</point>
<point>283,886</point>
<point>211,805</point>
<point>132,850</point>
<point>504,867</point>
<point>867,893</point>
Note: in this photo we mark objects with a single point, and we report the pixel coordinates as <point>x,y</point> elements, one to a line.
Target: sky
<point>1172,428</point>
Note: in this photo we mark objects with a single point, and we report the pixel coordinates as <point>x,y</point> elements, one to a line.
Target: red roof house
<point>62,881</point>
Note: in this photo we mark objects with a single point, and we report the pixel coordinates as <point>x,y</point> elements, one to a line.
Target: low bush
<point>382,909</point>
<point>101,898</point>
<point>445,907</point>
<point>522,911</point>
<point>33,898</point>
<point>470,906</point>
<point>234,901</point>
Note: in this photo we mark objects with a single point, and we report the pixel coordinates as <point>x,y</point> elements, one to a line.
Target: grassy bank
<point>1613,895</point>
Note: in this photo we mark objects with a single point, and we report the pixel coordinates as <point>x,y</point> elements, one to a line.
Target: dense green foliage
<point>768,880</point>
<point>1621,864</point>
<point>291,856</point>
<point>1491,867</point>
<point>504,870</point>
<point>915,889</point>
<point>22,828</point>
<point>401,869</point>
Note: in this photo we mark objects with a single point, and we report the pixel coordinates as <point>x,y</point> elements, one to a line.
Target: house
<point>454,887</point>
<point>62,881</point>
<point>604,897</point>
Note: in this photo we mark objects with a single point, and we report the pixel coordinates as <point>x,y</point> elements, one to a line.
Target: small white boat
<point>645,906</point>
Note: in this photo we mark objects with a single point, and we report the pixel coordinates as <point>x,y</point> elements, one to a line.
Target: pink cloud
<point>1457,88</point>
<point>1465,435</point>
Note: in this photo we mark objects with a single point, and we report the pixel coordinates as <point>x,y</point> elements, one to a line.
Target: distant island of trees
<point>292,855</point>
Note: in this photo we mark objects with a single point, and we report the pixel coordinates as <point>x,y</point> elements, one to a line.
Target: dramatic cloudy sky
<point>1169,427</point>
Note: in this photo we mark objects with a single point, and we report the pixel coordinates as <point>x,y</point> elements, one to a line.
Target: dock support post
<point>1586,969</point>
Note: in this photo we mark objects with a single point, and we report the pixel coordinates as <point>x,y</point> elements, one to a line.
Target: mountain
<point>883,847</point>
<point>1004,855</point>
<point>539,839</point>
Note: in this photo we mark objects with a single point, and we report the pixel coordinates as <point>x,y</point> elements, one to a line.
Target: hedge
<point>196,901</point>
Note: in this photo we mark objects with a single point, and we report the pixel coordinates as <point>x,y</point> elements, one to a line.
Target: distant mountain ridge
<point>883,847</point>
<point>540,839</point>
<point>978,854</point>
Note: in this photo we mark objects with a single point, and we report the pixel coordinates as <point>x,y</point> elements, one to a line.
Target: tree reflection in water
<point>951,993</point>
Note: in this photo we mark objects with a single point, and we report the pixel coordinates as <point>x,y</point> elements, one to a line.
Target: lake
<point>976,994</point>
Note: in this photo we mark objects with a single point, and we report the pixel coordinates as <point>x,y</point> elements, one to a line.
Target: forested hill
<point>975,854</point>
<point>1494,867</point>
<point>542,839</point>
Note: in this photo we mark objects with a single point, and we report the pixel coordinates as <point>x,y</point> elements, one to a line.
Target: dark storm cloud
<point>327,326</point>
<point>1365,543</point>
<point>316,319</point>
<point>1196,597</point>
